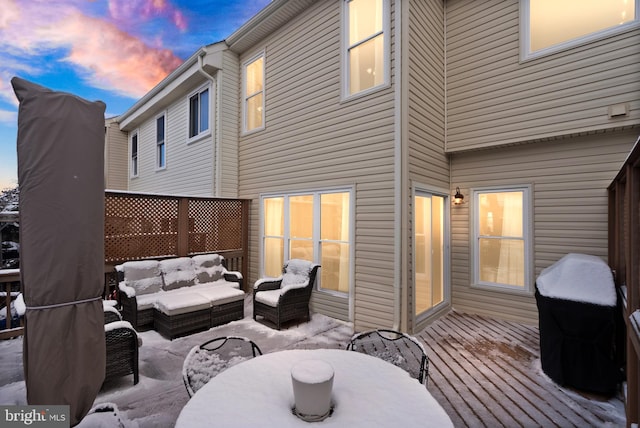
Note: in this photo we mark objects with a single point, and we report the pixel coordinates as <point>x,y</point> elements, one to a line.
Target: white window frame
<point>162,142</point>
<point>316,232</point>
<point>527,230</point>
<point>525,32</point>
<point>200,134</point>
<point>346,47</point>
<point>134,163</point>
<point>245,97</point>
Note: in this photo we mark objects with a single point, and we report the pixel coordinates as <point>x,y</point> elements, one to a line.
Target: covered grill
<point>578,311</point>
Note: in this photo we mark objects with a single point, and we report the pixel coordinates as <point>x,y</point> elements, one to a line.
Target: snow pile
<point>579,278</point>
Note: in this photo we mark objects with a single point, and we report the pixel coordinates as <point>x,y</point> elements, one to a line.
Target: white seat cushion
<point>269,297</point>
<point>219,283</point>
<point>219,295</point>
<point>181,303</point>
<point>146,301</point>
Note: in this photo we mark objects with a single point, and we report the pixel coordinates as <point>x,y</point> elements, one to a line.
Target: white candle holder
<point>312,383</point>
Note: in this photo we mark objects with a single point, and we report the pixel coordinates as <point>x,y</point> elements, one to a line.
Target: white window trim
<point>255,57</point>
<point>158,167</point>
<point>316,233</point>
<point>527,210</point>
<point>135,133</point>
<point>344,57</point>
<point>200,135</point>
<point>525,40</point>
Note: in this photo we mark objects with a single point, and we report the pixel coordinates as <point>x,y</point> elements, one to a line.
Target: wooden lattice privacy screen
<point>150,226</point>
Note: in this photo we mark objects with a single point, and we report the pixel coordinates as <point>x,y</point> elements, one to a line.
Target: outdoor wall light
<point>458,198</point>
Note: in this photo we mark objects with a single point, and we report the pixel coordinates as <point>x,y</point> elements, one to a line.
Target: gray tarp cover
<point>60,173</point>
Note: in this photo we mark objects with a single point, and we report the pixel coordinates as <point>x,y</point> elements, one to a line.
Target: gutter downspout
<point>216,135</point>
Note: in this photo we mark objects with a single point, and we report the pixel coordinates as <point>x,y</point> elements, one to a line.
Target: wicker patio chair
<point>111,314</point>
<point>121,344</point>
<point>287,297</point>
<point>396,348</point>
<point>205,361</point>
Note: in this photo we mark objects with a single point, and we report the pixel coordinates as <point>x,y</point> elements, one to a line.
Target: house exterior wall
<point>494,98</point>
<point>116,157</point>
<point>313,141</point>
<point>227,110</point>
<point>189,166</point>
<point>569,178</point>
<point>427,165</point>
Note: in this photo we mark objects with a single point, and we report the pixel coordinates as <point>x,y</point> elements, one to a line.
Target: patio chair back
<point>207,360</point>
<point>396,348</point>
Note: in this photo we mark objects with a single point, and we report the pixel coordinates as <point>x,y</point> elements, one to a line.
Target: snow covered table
<point>367,392</point>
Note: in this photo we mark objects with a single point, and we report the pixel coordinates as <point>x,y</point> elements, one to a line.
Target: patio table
<point>367,391</point>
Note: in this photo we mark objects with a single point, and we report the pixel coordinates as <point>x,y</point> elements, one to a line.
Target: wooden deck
<point>486,372</point>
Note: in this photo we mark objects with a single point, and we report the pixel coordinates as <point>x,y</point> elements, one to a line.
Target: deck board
<point>486,372</point>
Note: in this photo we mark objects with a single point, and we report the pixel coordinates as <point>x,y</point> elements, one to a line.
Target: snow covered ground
<point>158,398</point>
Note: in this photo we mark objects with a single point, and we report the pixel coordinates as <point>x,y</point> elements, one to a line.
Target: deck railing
<point>624,259</point>
<point>142,226</point>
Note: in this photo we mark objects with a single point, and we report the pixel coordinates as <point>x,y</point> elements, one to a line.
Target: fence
<point>624,259</point>
<point>139,227</point>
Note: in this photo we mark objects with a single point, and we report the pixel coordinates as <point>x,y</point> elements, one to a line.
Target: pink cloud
<point>134,10</point>
<point>105,56</point>
<point>113,59</point>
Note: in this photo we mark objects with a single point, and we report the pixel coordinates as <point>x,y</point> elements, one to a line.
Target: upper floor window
<point>134,154</point>
<point>253,94</point>
<point>199,113</point>
<point>366,45</point>
<point>160,142</point>
<point>502,238</point>
<point>551,25</point>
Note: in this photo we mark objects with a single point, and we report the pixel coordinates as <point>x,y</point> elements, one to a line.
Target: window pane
<point>273,256</point>
<point>134,145</point>
<point>301,216</point>
<point>502,261</point>
<point>553,22</point>
<point>274,216</point>
<point>255,77</point>
<point>204,110</point>
<point>365,19</point>
<point>161,155</point>
<point>193,116</point>
<point>254,112</point>
<point>334,259</point>
<point>500,214</point>
<point>334,216</point>
<point>160,129</point>
<point>301,249</point>
<point>366,65</point>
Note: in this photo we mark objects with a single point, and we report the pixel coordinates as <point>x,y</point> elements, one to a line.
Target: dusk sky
<point>109,50</point>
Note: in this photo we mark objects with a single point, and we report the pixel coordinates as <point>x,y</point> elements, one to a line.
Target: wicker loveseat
<point>287,297</point>
<point>181,295</point>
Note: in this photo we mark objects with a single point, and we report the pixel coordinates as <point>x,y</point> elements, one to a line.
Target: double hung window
<point>134,155</point>
<point>253,94</point>
<point>160,142</point>
<point>199,113</point>
<point>366,45</point>
<point>502,238</point>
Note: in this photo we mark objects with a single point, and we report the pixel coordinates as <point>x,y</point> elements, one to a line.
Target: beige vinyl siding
<point>493,98</point>
<point>428,164</point>
<point>228,112</point>
<point>190,166</point>
<point>313,141</point>
<point>569,178</point>
<point>116,159</point>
